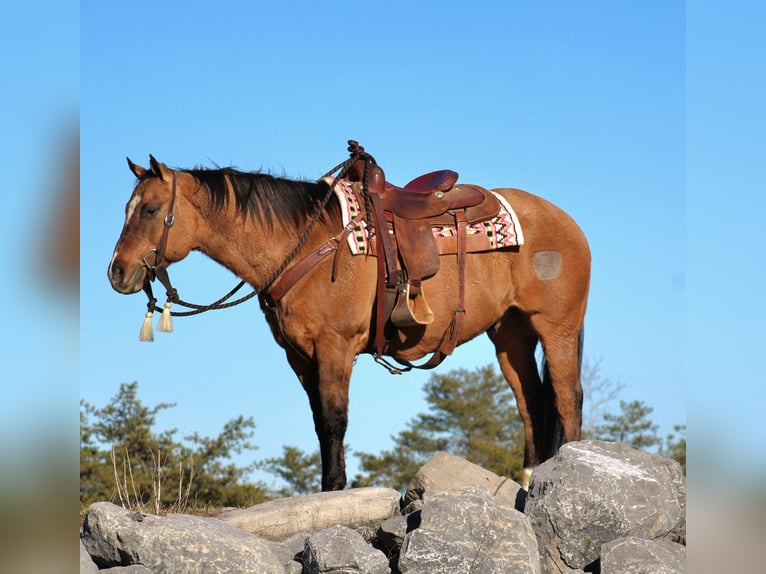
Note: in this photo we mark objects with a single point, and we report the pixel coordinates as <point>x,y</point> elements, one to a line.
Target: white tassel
<point>146,333</point>
<point>165,323</point>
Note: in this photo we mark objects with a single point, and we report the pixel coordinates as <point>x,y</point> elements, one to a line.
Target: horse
<point>249,221</point>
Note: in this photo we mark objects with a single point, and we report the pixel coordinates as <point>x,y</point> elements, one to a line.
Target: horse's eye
<point>148,211</point>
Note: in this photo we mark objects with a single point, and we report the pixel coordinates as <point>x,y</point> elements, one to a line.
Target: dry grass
<point>130,497</point>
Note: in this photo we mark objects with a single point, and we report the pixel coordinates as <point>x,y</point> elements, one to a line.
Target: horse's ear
<point>137,170</point>
<point>160,169</point>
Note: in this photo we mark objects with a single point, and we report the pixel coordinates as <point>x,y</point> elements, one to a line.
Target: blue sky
<point>569,101</point>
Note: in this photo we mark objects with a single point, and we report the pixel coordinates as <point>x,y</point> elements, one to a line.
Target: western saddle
<point>406,249</point>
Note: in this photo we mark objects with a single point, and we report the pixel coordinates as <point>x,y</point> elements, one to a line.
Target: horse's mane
<point>261,195</point>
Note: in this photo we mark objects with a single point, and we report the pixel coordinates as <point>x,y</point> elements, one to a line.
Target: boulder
<point>637,556</point>
<point>281,518</point>
<point>114,536</point>
<point>444,471</point>
<point>341,549</point>
<point>464,530</point>
<point>87,566</point>
<point>593,492</point>
<point>390,534</point>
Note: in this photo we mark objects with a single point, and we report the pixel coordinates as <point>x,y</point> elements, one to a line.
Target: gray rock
<point>342,550</point>
<point>133,569</point>
<point>466,530</point>
<point>114,536</point>
<point>290,551</point>
<point>637,556</point>
<point>444,471</point>
<point>593,492</point>
<point>678,534</point>
<point>390,534</point>
<point>87,566</point>
<point>280,519</point>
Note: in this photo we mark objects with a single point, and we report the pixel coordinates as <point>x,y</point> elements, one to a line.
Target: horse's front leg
<point>326,383</point>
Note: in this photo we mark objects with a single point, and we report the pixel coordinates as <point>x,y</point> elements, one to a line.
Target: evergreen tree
<point>123,460</point>
<point>631,426</point>
<point>675,446</point>
<point>301,472</point>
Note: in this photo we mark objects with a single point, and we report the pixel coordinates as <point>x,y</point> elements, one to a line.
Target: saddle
<point>404,242</point>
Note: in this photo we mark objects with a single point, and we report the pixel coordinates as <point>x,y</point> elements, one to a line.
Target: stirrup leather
<point>411,308</point>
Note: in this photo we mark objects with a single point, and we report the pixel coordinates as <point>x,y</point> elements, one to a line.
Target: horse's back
<point>542,220</point>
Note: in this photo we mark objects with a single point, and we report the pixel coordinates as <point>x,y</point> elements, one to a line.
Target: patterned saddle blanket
<point>502,230</point>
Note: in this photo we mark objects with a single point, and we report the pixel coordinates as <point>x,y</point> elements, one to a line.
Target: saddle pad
<point>504,230</point>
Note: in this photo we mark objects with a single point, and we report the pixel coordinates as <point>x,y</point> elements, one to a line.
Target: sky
<point>568,102</point>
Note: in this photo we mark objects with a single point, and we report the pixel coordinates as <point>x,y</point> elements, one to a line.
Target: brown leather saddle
<point>406,248</point>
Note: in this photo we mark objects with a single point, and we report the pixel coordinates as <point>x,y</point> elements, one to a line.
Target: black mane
<point>261,195</point>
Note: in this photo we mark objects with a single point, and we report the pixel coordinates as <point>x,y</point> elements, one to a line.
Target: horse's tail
<point>553,434</point>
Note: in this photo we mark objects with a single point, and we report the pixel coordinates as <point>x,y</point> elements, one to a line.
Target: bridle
<point>158,271</point>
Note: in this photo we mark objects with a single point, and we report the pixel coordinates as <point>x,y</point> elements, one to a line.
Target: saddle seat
<point>429,195</point>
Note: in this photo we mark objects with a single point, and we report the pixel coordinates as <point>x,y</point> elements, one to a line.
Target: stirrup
<point>411,311</point>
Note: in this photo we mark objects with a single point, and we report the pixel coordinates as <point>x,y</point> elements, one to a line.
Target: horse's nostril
<point>116,273</point>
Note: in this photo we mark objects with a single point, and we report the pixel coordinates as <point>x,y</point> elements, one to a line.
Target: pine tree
<point>123,460</point>
<point>675,446</point>
<point>300,471</point>
<point>631,426</point>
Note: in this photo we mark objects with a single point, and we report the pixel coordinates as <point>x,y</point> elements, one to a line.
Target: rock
<point>281,518</point>
<point>678,534</point>
<point>593,492</point>
<point>594,506</point>
<point>390,534</point>
<point>637,556</point>
<point>341,549</point>
<point>290,551</point>
<point>87,566</point>
<point>466,530</point>
<point>114,536</point>
<point>444,471</point>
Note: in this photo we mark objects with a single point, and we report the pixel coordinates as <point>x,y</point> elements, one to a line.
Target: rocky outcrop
<point>595,507</point>
<point>594,492</point>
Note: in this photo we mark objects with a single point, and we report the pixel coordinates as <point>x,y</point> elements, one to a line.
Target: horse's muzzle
<point>125,283</point>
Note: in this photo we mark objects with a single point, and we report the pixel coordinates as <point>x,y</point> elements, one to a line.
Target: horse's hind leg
<point>562,345</point>
<point>515,344</point>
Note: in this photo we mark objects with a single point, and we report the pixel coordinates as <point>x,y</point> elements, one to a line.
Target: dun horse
<point>275,234</point>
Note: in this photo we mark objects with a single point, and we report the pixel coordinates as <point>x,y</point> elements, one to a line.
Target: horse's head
<point>159,225</point>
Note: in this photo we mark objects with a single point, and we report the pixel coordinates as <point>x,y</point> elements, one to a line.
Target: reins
<point>157,271</point>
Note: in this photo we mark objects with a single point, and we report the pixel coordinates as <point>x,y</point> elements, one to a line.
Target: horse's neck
<point>250,248</point>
